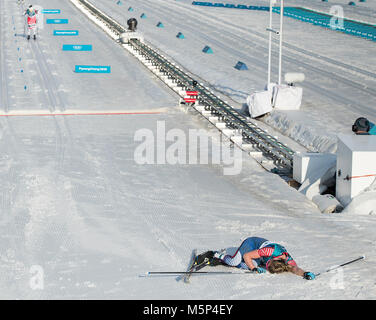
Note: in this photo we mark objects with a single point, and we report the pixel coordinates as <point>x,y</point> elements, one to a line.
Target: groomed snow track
<point>208,104</point>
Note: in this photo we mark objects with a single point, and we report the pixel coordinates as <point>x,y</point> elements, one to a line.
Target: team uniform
<point>267,251</point>
<point>31,19</point>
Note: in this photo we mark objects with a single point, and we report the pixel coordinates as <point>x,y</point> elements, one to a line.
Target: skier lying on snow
<point>269,256</point>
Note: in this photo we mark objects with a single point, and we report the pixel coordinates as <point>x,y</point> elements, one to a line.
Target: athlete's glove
<point>309,276</point>
<point>258,270</point>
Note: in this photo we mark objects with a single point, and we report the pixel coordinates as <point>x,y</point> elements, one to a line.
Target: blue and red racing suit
<point>267,251</point>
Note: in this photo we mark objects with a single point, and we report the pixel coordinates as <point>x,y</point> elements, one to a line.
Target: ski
<point>200,262</point>
<point>196,269</point>
<point>197,262</point>
<point>185,276</point>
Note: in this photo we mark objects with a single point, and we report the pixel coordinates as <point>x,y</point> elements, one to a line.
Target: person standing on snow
<point>31,19</point>
<point>269,256</point>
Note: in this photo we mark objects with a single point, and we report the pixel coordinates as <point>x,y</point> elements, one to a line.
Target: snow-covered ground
<point>76,207</point>
<point>339,69</point>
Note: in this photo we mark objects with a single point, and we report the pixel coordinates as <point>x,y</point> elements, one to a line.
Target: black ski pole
<point>341,265</point>
<point>167,273</point>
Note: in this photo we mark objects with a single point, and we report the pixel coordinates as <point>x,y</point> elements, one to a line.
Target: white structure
<point>259,103</point>
<point>293,77</point>
<point>315,172</point>
<point>356,165</point>
<point>277,95</point>
<point>287,97</point>
<point>327,203</point>
<point>279,33</point>
<point>284,97</point>
<point>128,35</point>
<point>311,165</point>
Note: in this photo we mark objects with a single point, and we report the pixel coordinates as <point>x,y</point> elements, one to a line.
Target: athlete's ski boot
<point>204,257</point>
<point>218,257</point>
<point>28,37</point>
<point>209,259</point>
<point>35,37</point>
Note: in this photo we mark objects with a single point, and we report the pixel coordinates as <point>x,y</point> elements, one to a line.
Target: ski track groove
<point>11,222</point>
<point>4,71</point>
<point>47,79</point>
<point>15,141</point>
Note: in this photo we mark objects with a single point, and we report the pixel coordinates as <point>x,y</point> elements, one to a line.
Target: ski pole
<point>341,265</point>
<point>165,273</point>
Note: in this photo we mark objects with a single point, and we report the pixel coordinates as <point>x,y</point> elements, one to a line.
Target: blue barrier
<point>198,3</point>
<point>350,27</point>
<point>207,49</point>
<point>180,35</point>
<point>230,5</point>
<point>143,16</point>
<point>241,66</point>
<point>130,9</point>
<point>92,69</point>
<point>77,47</point>
<point>160,25</point>
<point>354,28</point>
<point>65,33</point>
<point>57,21</point>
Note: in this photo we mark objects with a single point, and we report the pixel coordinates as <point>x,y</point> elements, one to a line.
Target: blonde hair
<point>279,266</point>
